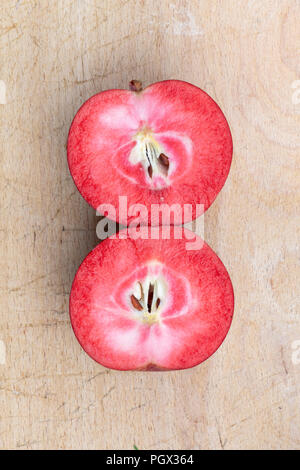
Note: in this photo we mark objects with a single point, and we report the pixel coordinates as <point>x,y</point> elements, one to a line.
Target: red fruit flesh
<point>169,143</point>
<point>161,307</point>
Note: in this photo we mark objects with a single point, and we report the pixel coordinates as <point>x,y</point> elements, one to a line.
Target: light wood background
<point>56,54</point>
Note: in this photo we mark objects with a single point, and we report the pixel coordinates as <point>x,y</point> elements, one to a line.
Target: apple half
<point>159,307</point>
<point>168,143</point>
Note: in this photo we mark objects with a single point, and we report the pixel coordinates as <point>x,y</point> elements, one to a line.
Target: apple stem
<point>135,85</point>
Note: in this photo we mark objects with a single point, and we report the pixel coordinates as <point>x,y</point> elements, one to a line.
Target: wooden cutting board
<point>54,55</point>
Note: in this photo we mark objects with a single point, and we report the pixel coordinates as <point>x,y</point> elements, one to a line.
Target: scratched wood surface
<point>56,54</point>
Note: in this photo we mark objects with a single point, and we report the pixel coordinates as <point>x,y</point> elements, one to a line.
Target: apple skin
<point>183,123</point>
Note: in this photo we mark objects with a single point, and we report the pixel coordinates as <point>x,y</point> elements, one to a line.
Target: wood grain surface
<point>56,54</point>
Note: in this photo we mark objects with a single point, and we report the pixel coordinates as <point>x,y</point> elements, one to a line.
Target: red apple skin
<point>182,119</point>
<point>195,318</point>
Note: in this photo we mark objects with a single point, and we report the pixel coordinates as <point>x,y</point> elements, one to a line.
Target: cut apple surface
<point>167,144</point>
<point>160,307</point>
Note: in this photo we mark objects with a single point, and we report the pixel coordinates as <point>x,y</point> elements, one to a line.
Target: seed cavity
<point>149,153</point>
<point>146,301</point>
<point>158,163</point>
